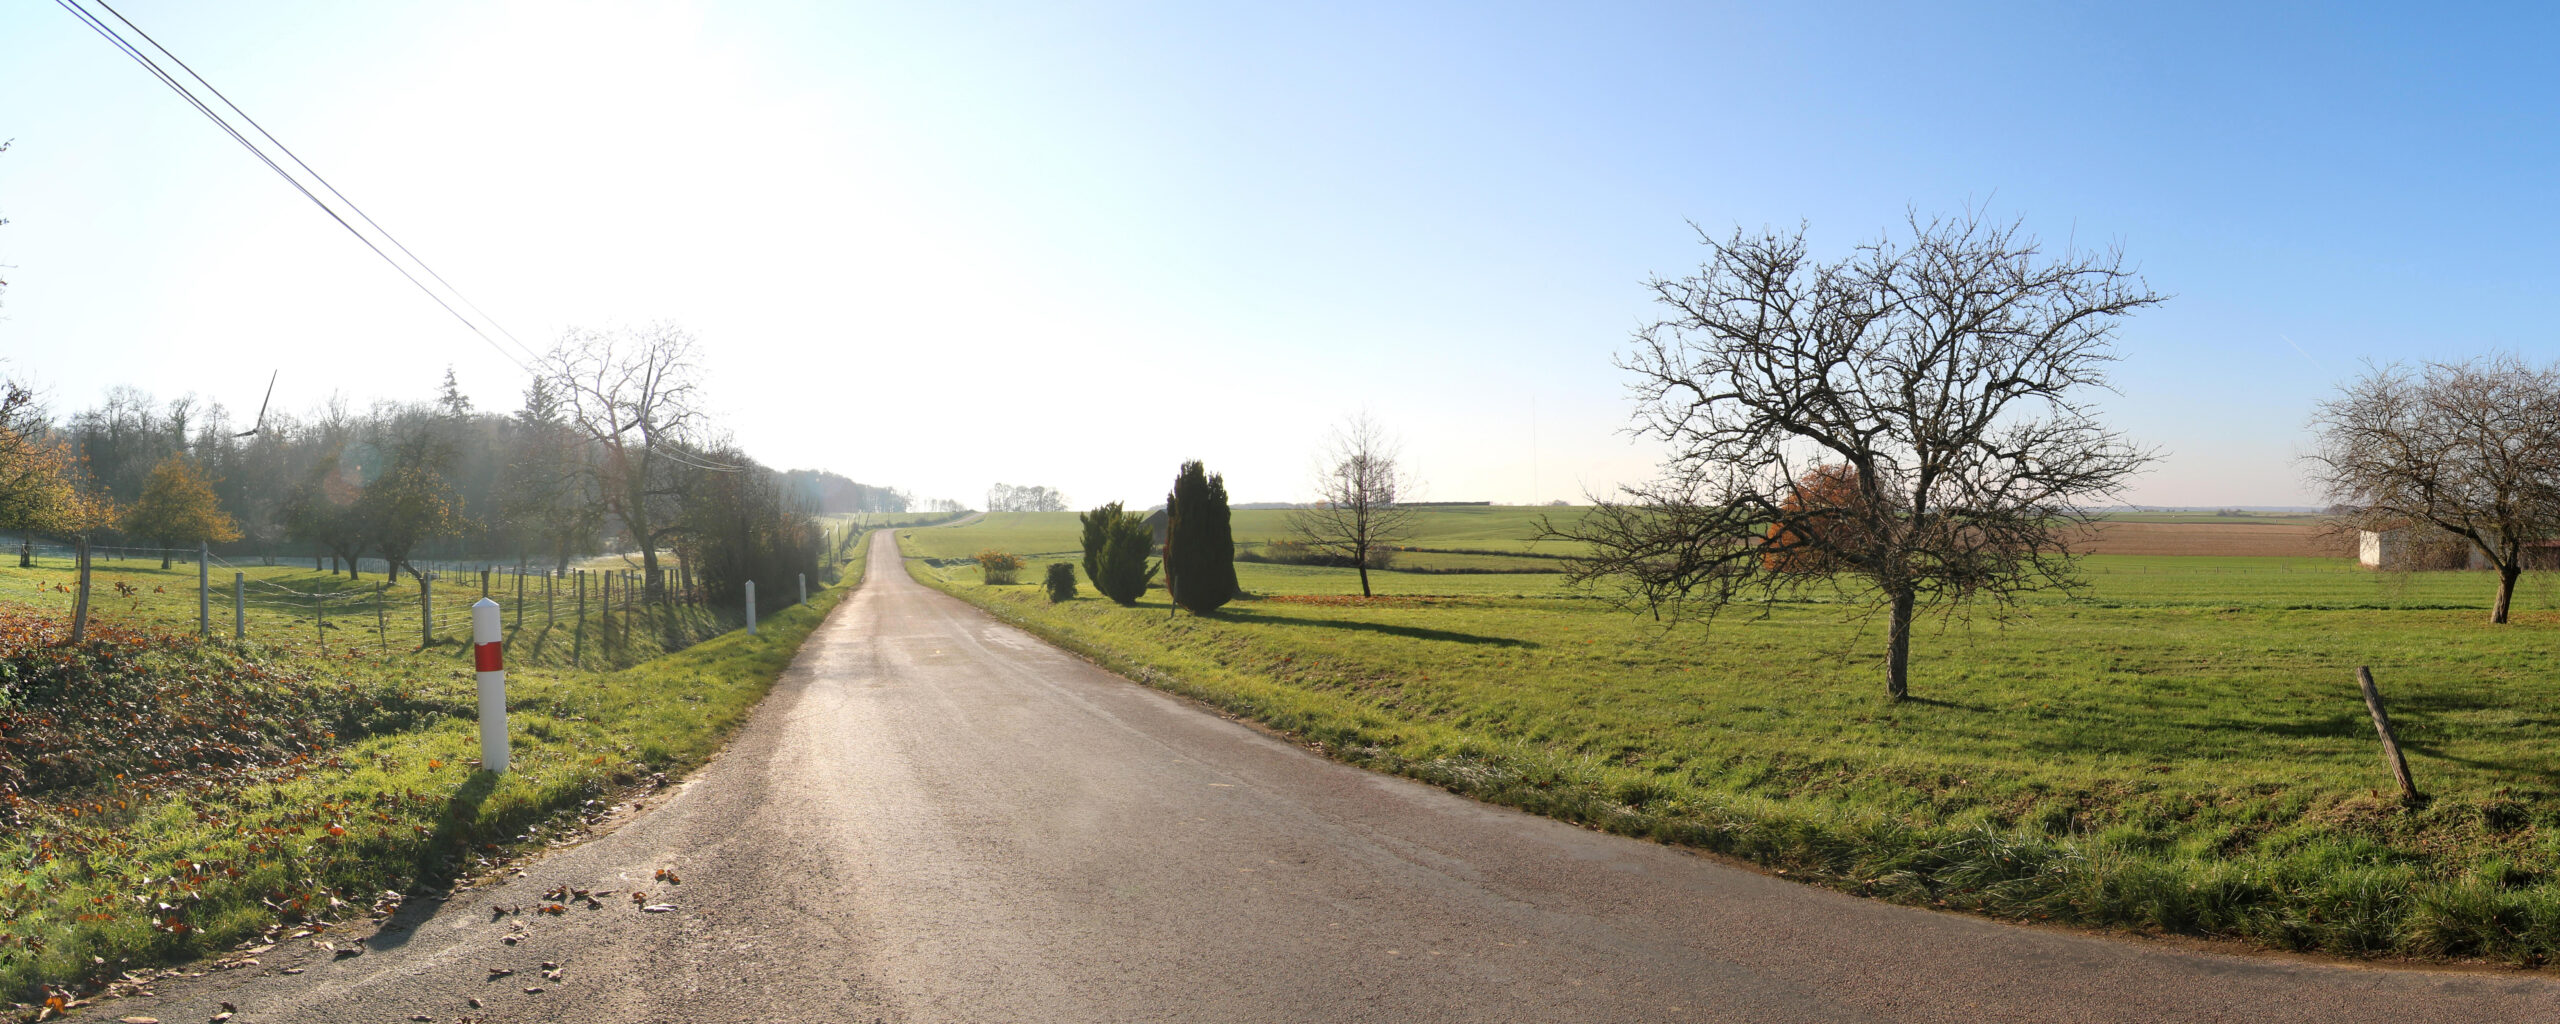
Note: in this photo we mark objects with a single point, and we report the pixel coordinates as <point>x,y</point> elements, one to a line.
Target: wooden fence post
<point>2390,746</point>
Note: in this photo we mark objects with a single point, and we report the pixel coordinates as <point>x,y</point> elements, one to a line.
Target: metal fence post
<point>804,588</point>
<point>239,607</point>
<point>751,607</point>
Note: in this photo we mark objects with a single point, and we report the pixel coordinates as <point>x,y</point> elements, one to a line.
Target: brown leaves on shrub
<point>127,706</point>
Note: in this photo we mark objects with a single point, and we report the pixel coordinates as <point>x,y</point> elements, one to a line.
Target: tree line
<point>609,446</point>
<point>1009,498</point>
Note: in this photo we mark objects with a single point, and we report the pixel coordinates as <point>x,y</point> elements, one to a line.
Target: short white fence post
<point>488,655</point>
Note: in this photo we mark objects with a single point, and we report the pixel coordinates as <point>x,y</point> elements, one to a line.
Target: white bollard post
<point>804,588</point>
<point>489,657</point>
<point>751,607</point>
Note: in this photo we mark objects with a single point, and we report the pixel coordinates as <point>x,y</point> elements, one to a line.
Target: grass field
<point>216,807</point>
<point>2178,748</point>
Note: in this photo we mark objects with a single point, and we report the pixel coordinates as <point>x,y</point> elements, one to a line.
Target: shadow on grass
<point>1408,632</point>
<point>439,861</point>
<point>1951,705</point>
<point>2543,771</point>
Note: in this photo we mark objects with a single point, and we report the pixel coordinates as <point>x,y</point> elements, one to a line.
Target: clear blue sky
<point>937,245</point>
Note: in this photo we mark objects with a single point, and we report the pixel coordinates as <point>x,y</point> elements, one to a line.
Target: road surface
<point>936,817</point>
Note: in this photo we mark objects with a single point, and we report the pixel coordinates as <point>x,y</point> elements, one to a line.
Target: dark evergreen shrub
<point>1199,541</point>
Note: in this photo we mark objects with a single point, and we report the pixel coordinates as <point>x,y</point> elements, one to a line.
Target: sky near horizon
<point>936,246</point>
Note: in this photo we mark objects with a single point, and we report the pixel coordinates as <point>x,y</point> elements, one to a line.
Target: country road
<point>936,817</point>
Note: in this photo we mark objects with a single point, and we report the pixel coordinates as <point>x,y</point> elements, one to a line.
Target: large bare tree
<point>1360,490</point>
<point>1906,425</point>
<point>636,393</point>
<point>2472,448</point>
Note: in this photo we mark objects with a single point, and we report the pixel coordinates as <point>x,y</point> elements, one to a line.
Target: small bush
<point>998,567</point>
<point>1061,582</point>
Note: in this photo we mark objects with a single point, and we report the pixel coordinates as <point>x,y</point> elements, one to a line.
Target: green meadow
<point>2178,746</point>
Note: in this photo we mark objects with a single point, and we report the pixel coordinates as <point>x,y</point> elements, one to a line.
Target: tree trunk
<point>164,567</point>
<point>2506,590</point>
<point>1897,685</point>
<point>80,603</point>
<point>1364,575</point>
<point>26,551</point>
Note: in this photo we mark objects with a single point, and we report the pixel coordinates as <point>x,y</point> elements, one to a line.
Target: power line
<point>316,176</point>
<point>119,42</point>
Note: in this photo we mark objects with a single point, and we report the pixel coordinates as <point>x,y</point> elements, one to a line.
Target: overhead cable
<point>109,33</point>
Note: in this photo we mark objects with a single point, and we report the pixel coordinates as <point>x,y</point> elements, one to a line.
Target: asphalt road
<point>936,817</point>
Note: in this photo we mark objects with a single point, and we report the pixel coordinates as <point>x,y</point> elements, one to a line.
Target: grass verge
<point>341,778</point>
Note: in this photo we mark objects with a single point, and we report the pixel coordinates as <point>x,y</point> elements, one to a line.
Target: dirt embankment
<point>2283,540</point>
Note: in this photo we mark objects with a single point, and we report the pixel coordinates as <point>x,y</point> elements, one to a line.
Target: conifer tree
<point>1199,541</point>
<point>1115,555</point>
<point>1097,530</point>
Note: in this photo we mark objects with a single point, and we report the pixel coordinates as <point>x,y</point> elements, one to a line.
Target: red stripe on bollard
<point>487,657</point>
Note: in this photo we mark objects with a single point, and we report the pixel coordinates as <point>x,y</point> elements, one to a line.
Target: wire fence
<point>579,616</point>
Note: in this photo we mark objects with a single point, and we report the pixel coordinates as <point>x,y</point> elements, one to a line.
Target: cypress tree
<point>1199,541</point>
<point>1097,532</point>
<point>1125,570</point>
<point>1116,546</point>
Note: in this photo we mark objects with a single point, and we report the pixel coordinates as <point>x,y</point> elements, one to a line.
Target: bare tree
<point>1358,515</point>
<point>1903,426</point>
<point>636,394</point>
<point>2472,448</point>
